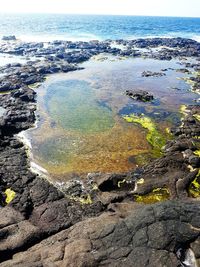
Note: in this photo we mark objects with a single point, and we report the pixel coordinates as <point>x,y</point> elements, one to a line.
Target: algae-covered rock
<point>158,194</point>
<point>10,195</point>
<point>154,138</point>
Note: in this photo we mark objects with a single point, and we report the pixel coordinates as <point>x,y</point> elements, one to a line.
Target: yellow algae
<point>191,169</point>
<point>153,136</point>
<point>197,116</point>
<point>85,200</point>
<point>34,86</point>
<point>196,137</point>
<point>158,194</point>
<point>197,153</point>
<point>183,110</point>
<point>194,189</point>
<point>140,181</point>
<point>10,195</point>
<point>95,187</point>
<point>167,130</point>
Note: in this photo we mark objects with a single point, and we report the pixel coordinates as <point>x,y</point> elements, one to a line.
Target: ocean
<point>47,27</point>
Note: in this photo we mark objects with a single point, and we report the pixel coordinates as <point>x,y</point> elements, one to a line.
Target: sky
<point>185,8</point>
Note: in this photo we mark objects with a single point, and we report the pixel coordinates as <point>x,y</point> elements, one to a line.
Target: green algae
<point>157,195</point>
<point>155,139</point>
<point>10,195</point>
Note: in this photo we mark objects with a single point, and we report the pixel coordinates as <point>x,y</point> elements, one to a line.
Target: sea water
<point>46,27</point>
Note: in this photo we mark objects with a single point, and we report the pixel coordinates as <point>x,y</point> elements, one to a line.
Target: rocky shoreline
<point>50,225</point>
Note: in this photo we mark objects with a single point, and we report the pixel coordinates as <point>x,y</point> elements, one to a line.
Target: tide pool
<point>81,125</point>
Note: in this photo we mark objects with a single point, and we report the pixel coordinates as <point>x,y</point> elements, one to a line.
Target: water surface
<point>45,27</point>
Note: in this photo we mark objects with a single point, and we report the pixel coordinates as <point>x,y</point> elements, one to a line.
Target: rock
<point>44,226</point>
<point>144,236</point>
<point>9,38</point>
<point>152,74</point>
<point>183,70</point>
<point>140,95</point>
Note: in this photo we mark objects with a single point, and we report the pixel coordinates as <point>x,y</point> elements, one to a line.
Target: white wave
<point>23,137</point>
<point>196,38</point>
<point>38,169</point>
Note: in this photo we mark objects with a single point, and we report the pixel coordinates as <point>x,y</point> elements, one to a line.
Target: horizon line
<point>93,14</point>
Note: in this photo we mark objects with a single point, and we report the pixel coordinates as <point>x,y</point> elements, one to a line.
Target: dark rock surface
<point>127,235</point>
<point>45,225</point>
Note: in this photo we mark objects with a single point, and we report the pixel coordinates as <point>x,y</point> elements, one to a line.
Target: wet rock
<point>183,70</point>
<point>140,95</point>
<point>74,188</point>
<point>152,74</point>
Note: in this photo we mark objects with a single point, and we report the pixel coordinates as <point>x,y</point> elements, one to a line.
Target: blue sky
<point>188,8</point>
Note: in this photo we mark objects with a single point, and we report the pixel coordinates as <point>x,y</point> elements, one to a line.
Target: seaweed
<point>154,137</point>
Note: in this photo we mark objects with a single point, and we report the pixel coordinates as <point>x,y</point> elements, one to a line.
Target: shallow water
<point>81,128</point>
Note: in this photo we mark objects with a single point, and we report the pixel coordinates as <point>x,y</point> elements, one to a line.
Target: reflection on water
<point>81,128</point>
